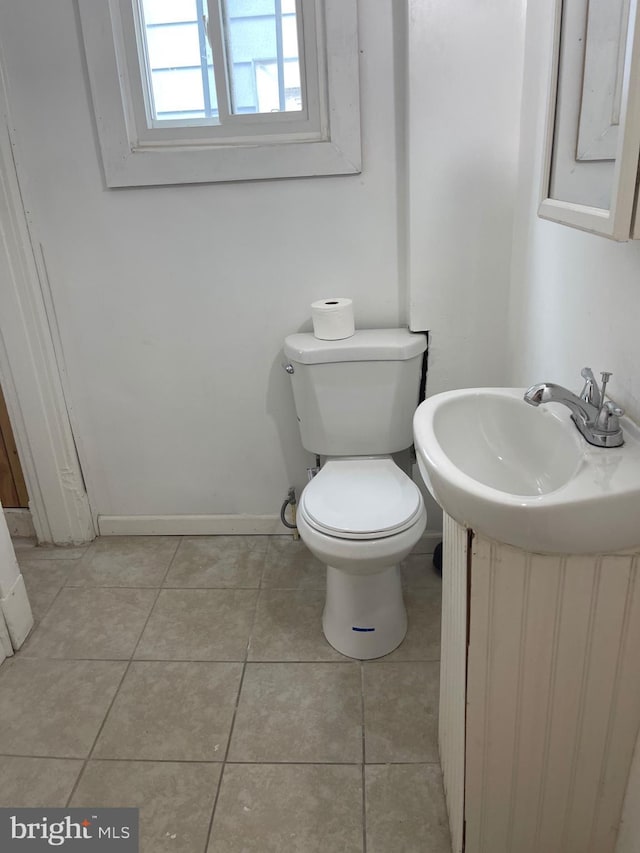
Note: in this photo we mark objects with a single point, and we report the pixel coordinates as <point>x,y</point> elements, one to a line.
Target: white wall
<point>172,303</point>
<point>575,297</point>
<point>465,75</point>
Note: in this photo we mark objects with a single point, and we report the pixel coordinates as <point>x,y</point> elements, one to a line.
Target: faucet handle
<point>607,420</point>
<point>613,408</point>
<point>590,392</point>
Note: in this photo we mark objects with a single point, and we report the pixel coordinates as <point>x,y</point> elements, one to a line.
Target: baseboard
<point>216,525</point>
<point>190,525</point>
<point>20,523</point>
<point>17,613</point>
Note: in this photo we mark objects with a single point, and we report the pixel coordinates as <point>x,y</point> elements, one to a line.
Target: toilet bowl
<point>361,516</point>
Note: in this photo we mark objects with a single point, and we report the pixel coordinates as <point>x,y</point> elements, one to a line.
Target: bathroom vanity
<point>540,665</point>
<point>540,695</point>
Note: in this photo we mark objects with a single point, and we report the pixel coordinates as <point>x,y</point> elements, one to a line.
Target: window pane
<point>177,91</point>
<point>169,11</point>
<point>173,46</point>
<point>263,56</point>
<point>268,89</point>
<point>178,60</point>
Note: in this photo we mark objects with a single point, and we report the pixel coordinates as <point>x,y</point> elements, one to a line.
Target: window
<point>216,90</point>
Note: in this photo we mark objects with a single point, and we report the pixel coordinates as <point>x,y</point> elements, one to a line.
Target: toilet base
<point>364,615</point>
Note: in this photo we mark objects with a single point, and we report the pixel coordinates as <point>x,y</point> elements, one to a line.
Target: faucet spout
<point>597,423</point>
<point>549,392</point>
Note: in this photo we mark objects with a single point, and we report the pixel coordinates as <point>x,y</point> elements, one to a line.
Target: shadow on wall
<point>463,295</point>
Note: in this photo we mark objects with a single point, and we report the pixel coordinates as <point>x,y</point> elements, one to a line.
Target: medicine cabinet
<point>592,140</point>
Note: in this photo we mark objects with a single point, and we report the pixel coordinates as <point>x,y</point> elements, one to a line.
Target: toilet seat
<point>361,498</point>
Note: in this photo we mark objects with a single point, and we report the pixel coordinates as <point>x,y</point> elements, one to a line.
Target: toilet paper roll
<point>332,319</point>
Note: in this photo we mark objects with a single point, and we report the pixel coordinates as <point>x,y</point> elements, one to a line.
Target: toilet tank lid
<point>364,345</point>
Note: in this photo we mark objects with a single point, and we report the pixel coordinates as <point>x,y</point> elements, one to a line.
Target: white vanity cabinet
<point>592,141</point>
<point>540,695</point>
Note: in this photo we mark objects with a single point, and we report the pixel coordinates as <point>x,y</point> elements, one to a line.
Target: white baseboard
<point>17,613</point>
<point>20,523</point>
<point>216,525</point>
<point>190,525</point>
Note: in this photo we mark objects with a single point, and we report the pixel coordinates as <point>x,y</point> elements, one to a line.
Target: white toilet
<point>361,514</point>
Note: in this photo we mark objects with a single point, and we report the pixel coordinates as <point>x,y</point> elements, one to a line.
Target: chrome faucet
<point>595,417</point>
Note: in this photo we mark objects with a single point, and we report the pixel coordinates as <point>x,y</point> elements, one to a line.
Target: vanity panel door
<point>552,698</point>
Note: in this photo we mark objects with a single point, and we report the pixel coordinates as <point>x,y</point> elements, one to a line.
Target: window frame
<point>248,147</point>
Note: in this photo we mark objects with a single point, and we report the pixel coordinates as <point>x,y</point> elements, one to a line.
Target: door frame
<point>29,370</point>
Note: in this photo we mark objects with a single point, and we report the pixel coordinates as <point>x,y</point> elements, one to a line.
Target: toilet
<point>361,514</point>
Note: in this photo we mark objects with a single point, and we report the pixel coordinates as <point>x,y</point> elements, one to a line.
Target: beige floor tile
<point>291,712</point>
<point>267,808</point>
<point>422,641</point>
<point>218,561</point>
<point>125,561</point>
<point>32,782</point>
<point>199,624</point>
<point>44,578</point>
<point>400,712</point>
<point>41,598</point>
<point>288,627</point>
<point>172,712</point>
<point>175,800</point>
<point>406,812</point>
<point>92,623</point>
<point>54,707</point>
<point>36,571</point>
<point>290,565</point>
<point>418,572</point>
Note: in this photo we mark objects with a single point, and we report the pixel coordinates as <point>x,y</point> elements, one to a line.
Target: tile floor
<point>188,676</point>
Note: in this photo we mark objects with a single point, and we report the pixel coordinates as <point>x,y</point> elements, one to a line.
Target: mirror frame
<point>616,222</point>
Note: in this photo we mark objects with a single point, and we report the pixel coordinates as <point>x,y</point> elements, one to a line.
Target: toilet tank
<point>357,396</point>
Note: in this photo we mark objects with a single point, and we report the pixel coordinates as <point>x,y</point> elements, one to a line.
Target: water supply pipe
<point>290,500</point>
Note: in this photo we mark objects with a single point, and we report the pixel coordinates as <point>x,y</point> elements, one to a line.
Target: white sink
<point>525,475</point>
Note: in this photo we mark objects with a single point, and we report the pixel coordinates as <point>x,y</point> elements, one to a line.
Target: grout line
<point>36,624</point>
<point>303,590</point>
<point>98,733</point>
<point>265,557</point>
<point>25,656</point>
<point>233,722</point>
<point>362,717</point>
<point>224,761</point>
<point>200,660</point>
<point>120,683</point>
<point>160,587</point>
<point>219,763</point>
<point>364,762</point>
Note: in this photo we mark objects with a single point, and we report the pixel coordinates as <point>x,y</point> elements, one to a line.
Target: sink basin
<point>525,475</point>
